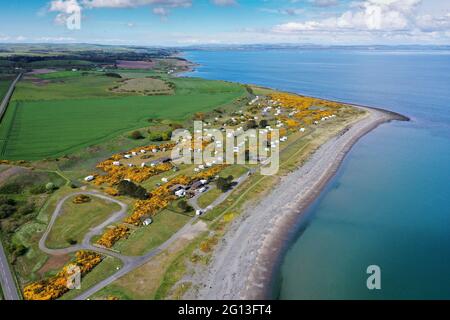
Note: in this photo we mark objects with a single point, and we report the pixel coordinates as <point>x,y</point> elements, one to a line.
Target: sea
<point>388,206</point>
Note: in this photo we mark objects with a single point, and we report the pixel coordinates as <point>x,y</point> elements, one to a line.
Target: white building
<point>89,178</point>
<point>180,193</point>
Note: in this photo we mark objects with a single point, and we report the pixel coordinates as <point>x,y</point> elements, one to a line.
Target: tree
<point>6,200</point>
<point>160,136</point>
<point>224,184</point>
<point>6,210</point>
<point>50,187</point>
<point>38,189</point>
<point>136,135</point>
<point>263,123</point>
<point>131,189</point>
<point>199,116</point>
<point>183,205</point>
<point>71,241</point>
<point>11,188</point>
<point>251,124</point>
<point>26,209</point>
<point>113,75</point>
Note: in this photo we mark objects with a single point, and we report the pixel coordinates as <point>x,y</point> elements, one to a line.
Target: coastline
<point>244,262</point>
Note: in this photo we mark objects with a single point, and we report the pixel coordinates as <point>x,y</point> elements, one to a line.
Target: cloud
<point>134,3</point>
<point>161,7</point>
<point>374,16</point>
<point>324,3</point>
<point>224,3</point>
<point>64,8</point>
<point>284,11</point>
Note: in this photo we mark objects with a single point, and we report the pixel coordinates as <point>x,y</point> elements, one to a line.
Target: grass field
<point>76,220</point>
<point>144,86</point>
<point>64,86</point>
<point>4,85</point>
<point>46,125</point>
<point>141,241</point>
<point>208,198</point>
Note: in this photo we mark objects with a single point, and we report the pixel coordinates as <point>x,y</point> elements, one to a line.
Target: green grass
<point>176,270</point>
<point>60,63</point>
<point>40,129</point>
<point>76,220</point>
<point>65,85</point>
<point>4,86</point>
<point>144,239</point>
<point>208,198</point>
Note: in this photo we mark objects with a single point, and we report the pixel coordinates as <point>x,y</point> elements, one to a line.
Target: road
<point>6,278</point>
<point>129,263</point>
<point>237,182</point>
<point>7,96</point>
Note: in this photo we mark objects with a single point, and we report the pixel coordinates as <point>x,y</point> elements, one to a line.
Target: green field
<point>76,220</point>
<point>64,116</point>
<point>144,239</point>
<point>4,86</point>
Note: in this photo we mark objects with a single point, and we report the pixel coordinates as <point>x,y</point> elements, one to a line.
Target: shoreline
<point>246,260</point>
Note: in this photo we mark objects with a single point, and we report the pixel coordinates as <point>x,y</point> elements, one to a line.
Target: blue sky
<point>186,22</point>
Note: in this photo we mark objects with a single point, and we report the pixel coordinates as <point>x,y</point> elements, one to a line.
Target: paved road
<point>6,278</point>
<point>86,244</point>
<point>8,95</point>
<point>129,263</point>
<point>136,262</point>
<point>193,201</point>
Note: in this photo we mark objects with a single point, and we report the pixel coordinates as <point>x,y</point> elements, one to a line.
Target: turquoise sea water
<point>389,204</point>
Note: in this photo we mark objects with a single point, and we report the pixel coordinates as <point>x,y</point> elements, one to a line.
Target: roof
<point>197,184</point>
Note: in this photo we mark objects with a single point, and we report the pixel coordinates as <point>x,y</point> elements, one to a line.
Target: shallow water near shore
<point>388,204</point>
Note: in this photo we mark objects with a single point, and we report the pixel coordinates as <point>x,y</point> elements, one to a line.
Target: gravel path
<point>243,261</point>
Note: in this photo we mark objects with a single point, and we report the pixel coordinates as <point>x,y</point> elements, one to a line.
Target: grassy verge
<point>208,198</point>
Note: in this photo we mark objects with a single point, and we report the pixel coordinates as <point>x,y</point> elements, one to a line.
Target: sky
<point>195,22</point>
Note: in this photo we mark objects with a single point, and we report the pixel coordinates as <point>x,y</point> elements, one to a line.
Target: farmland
<point>105,129</point>
<point>78,111</point>
<point>4,85</point>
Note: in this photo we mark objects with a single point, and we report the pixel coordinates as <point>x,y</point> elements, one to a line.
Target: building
<point>160,161</point>
<point>147,222</point>
<point>180,193</point>
<point>89,178</point>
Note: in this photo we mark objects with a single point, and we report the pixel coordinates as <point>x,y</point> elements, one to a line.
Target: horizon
<point>177,23</point>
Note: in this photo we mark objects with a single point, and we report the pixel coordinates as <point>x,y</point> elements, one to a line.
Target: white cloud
<point>64,8</point>
<point>224,3</point>
<point>284,11</point>
<point>325,3</point>
<point>373,15</point>
<point>161,7</point>
<point>134,3</point>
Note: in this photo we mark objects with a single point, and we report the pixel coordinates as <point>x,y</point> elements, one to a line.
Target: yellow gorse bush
<point>56,286</point>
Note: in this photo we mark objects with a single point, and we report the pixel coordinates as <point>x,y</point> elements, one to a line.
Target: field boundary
<point>7,97</point>
<point>8,132</point>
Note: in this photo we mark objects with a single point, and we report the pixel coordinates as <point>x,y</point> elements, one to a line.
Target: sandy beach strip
<point>243,263</point>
